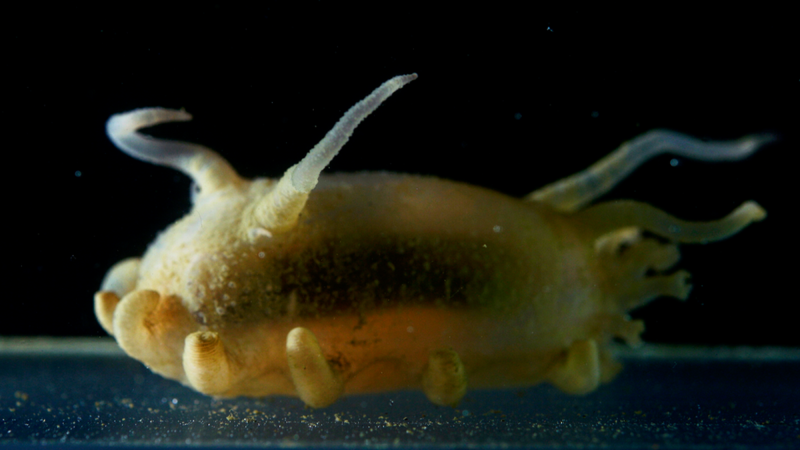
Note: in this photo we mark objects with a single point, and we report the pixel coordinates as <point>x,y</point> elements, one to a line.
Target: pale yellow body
<point>319,286</point>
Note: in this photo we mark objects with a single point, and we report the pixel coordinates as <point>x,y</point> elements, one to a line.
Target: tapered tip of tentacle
<point>122,129</point>
<point>750,211</point>
<point>751,143</point>
<point>206,363</point>
<point>573,193</point>
<point>280,208</point>
<point>317,383</point>
<point>130,121</point>
<point>747,213</point>
<point>305,177</point>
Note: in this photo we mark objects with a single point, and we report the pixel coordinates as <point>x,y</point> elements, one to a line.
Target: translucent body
<point>319,286</point>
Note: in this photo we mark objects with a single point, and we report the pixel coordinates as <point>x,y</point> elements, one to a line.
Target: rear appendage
<point>630,266</point>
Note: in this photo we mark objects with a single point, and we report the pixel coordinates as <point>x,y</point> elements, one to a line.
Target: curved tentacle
<point>573,193</point>
<point>609,216</point>
<point>207,168</point>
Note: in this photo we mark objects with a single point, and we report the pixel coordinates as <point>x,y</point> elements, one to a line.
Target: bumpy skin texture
<point>319,286</point>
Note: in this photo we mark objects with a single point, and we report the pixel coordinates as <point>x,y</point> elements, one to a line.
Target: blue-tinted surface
<point>673,398</point>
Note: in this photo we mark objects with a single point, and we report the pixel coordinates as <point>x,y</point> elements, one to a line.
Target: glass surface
<point>86,392</point>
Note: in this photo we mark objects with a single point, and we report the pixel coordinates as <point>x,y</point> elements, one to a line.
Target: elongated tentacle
<point>304,178</point>
<point>574,192</point>
<point>279,209</point>
<point>207,168</point>
<point>609,216</point>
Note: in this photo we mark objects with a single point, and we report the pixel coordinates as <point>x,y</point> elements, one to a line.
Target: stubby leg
<point>121,277</point>
<point>118,282</point>
<point>317,383</point>
<point>105,303</point>
<point>206,363</point>
<point>133,327</point>
<point>152,329</point>
<point>609,367</point>
<point>579,373</point>
<point>444,380</point>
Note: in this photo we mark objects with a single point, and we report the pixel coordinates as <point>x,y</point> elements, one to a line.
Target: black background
<point>508,97</point>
